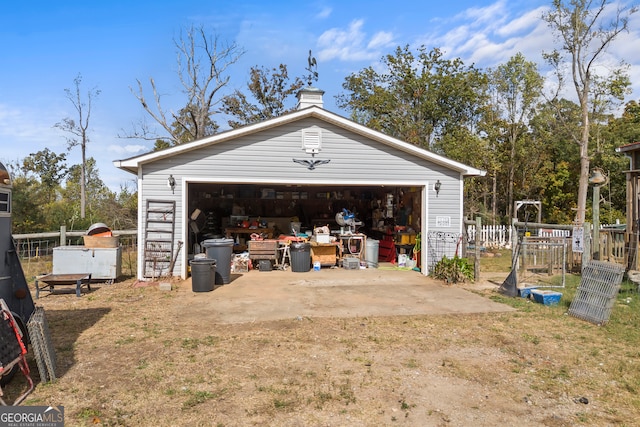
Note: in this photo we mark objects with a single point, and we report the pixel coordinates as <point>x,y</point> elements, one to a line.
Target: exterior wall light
<point>171,182</point>
<point>437,187</point>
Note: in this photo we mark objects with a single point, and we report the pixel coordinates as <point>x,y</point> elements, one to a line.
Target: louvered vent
<point>312,140</point>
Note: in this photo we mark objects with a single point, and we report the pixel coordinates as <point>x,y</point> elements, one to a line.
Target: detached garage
<point>307,170</point>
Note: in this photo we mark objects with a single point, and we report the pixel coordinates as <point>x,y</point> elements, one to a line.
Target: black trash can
<point>203,274</point>
<point>300,257</point>
<point>220,250</point>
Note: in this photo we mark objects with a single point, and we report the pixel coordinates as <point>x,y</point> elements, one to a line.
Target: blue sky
<point>45,45</point>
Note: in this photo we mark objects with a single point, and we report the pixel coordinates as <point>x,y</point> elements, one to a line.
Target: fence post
<point>63,235</point>
<point>586,238</point>
<point>476,264</point>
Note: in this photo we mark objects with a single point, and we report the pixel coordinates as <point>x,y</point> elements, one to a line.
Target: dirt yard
<point>130,355</point>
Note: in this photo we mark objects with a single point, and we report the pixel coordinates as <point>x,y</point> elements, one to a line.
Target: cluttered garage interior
<point>338,223</point>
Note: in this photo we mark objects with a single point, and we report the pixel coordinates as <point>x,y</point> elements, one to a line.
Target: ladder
<point>158,237</point>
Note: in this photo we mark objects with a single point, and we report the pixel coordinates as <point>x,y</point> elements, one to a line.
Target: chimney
<point>309,96</point>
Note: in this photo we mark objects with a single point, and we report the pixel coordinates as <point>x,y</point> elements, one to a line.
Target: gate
<point>443,243</point>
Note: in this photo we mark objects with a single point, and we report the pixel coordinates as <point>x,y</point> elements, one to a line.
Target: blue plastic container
<point>546,297</point>
<point>526,292</point>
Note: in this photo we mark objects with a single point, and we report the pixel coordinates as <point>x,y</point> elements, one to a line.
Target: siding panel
<point>267,157</point>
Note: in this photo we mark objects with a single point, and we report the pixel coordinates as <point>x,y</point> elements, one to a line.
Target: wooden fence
<point>34,245</point>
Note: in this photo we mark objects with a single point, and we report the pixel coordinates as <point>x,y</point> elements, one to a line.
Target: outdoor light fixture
<point>437,187</point>
<point>597,178</point>
<point>171,182</point>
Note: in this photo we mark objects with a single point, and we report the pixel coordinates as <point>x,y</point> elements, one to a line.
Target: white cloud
<point>380,40</point>
<point>351,44</point>
<point>324,13</point>
<point>128,149</point>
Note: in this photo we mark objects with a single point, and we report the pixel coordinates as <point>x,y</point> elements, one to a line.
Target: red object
<point>386,251</point>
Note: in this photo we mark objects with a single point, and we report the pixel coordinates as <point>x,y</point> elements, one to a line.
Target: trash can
<point>220,250</point>
<point>203,274</point>
<point>371,253</point>
<point>300,257</point>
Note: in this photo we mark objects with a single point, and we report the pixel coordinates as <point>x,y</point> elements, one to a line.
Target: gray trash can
<point>371,253</point>
<point>220,250</point>
<point>203,274</point>
<point>300,257</point>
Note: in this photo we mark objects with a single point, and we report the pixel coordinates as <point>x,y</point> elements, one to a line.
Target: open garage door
<point>218,210</point>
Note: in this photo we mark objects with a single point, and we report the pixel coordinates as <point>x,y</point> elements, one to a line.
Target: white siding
<point>267,157</point>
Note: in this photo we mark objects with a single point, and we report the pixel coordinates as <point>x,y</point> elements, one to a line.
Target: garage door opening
<point>237,211</point>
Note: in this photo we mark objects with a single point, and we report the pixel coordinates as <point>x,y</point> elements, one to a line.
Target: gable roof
<point>132,164</point>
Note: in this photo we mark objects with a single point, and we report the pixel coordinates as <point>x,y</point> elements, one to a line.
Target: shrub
<point>453,270</point>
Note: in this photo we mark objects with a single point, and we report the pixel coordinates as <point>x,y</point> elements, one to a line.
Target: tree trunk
<point>83,179</point>
<point>583,184</point>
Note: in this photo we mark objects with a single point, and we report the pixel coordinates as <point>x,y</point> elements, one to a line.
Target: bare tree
<point>79,130</point>
<point>203,61</point>
<point>585,31</point>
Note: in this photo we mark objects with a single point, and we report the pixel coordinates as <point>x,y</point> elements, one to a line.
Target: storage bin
<point>526,291</point>
<point>546,297</point>
<point>221,251</point>
<point>350,263</point>
<point>265,265</point>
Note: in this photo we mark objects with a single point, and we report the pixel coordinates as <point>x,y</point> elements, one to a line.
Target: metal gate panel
<point>597,292</point>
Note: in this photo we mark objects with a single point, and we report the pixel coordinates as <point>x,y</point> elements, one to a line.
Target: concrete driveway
<point>336,292</point>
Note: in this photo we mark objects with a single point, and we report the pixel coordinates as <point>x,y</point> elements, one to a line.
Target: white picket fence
<point>499,236</point>
<point>491,236</point>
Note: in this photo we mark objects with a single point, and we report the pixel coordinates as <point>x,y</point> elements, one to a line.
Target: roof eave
<point>132,164</point>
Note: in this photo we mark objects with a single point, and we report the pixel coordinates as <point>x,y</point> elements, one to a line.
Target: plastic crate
<point>546,297</point>
<point>351,263</point>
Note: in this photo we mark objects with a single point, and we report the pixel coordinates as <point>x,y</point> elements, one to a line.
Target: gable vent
<point>312,140</point>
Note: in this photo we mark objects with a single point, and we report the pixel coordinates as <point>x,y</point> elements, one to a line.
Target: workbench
<point>230,231</point>
<point>49,281</point>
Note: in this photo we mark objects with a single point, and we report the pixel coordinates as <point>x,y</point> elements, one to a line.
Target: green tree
<point>557,178</point>
<point>269,91</point>
<point>585,33</point>
<point>49,167</point>
<point>417,98</point>
<point>78,129</point>
<point>27,201</point>
<point>98,191</point>
<point>516,88</point>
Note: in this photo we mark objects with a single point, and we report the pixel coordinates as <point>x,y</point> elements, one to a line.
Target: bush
<point>453,270</point>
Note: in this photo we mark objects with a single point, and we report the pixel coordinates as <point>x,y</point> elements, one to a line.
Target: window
<point>5,202</point>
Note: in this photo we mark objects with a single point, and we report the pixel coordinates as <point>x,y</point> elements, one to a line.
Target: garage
<point>308,169</point>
